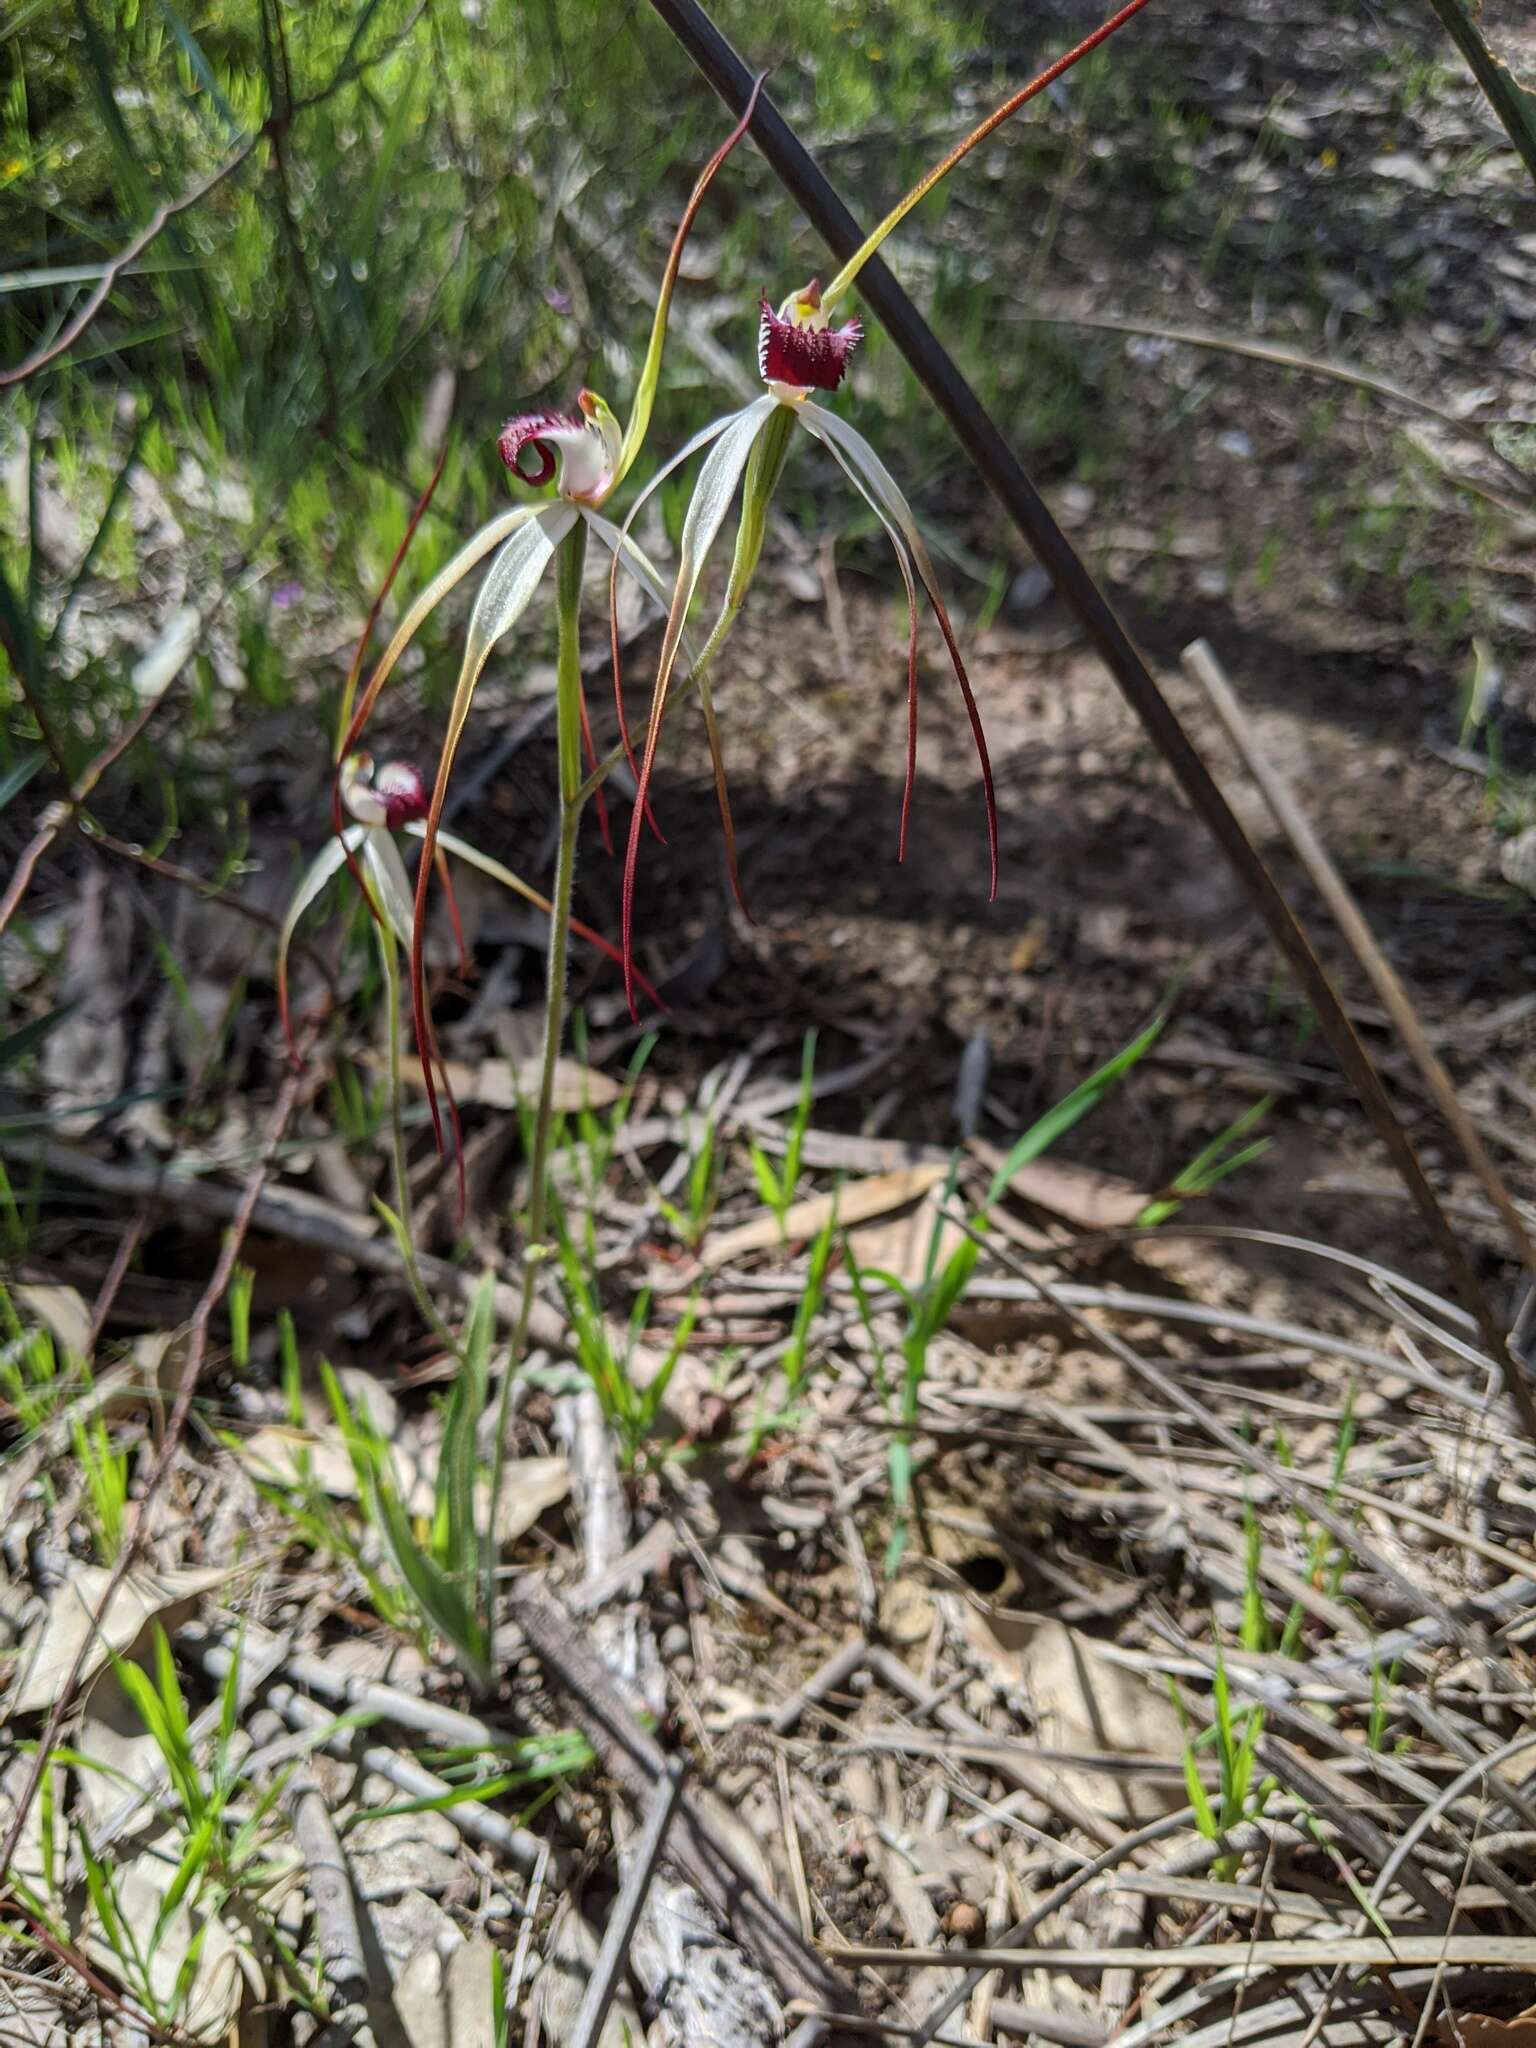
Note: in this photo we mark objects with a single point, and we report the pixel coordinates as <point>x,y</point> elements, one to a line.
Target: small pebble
<point>964,1922</point>
<point>676,1641</point>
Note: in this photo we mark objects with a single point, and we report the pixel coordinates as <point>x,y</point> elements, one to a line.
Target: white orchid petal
<point>509,585</point>
<point>462,849</point>
<point>814,420</point>
<point>872,473</point>
<point>711,500</point>
<point>326,862</point>
<point>391,885</point>
<point>828,427</point>
<point>631,556</point>
<point>473,551</point>
<point>684,454</point>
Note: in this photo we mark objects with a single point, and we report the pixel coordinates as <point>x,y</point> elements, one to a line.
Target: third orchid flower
<point>803,351</point>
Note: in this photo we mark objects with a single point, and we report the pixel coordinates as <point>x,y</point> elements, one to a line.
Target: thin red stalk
<point>976,729</point>
<point>363,709</point>
<point>589,747</point>
<point>636,822</point>
<point>454,920</point>
<point>611,952</point>
<point>995,119</point>
<point>618,694</point>
<point>702,184</point>
<point>911,779</point>
<point>722,796</point>
<point>421,1015</point>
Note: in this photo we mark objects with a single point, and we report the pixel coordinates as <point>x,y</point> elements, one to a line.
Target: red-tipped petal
<point>976,731</point>
<point>910,784</point>
<point>455,922</point>
<point>589,746</point>
<point>811,358</point>
<point>722,796</point>
<point>611,952</point>
<point>632,851</point>
<point>363,709</point>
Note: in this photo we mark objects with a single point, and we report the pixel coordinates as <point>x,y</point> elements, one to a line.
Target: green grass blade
<point>1072,1108</point>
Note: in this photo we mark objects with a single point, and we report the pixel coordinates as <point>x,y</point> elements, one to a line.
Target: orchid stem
<point>569,564</point>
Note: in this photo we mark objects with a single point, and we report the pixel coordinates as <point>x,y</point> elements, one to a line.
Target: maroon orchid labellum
<point>802,352</point>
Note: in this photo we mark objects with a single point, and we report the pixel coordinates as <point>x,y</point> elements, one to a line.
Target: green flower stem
<point>569,564</point>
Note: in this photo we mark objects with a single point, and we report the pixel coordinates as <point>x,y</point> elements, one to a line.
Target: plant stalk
<point>569,564</point>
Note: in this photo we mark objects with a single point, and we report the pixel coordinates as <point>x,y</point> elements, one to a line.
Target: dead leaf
<point>61,1311</point>
<point>498,1084</point>
<point>1083,1701</point>
<point>51,1648</point>
<point>901,1244</point>
<point>855,1202</point>
<point>1082,1194</point>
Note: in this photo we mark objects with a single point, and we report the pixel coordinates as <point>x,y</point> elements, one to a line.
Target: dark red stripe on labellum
<point>529,432</point>
<point>813,358</point>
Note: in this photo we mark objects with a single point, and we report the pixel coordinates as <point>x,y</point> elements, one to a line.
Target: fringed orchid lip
<point>405,794</point>
<point>798,349</point>
<point>583,446</point>
<point>394,796</point>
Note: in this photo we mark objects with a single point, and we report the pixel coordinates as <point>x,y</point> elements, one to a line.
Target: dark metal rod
<point>1004,475</point>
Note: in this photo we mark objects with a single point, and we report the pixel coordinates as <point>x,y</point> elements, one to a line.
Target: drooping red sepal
<point>812,358</point>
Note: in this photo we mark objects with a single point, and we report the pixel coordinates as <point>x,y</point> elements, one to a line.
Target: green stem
<point>569,564</point>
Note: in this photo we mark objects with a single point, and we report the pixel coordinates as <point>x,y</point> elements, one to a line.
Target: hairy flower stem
<point>569,564</point>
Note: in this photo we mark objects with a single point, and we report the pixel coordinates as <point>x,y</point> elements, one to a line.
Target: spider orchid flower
<point>381,804</point>
<point>585,455</point>
<point>802,353</point>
